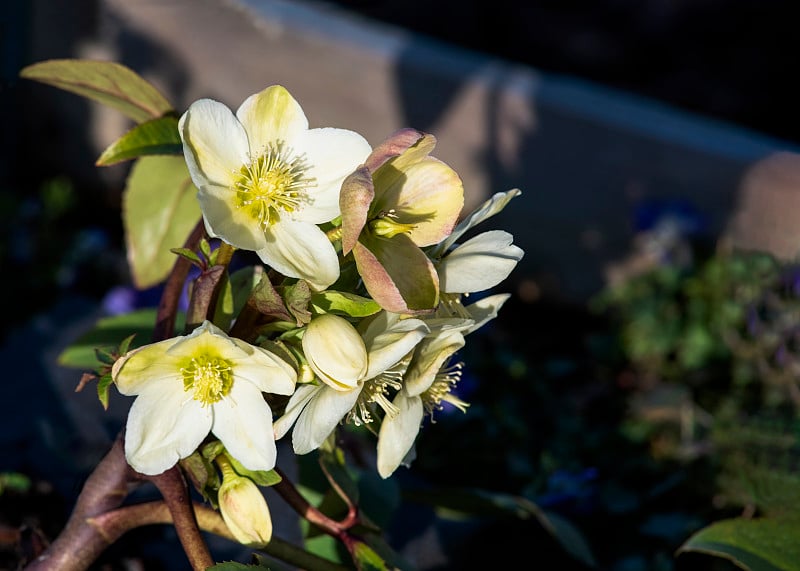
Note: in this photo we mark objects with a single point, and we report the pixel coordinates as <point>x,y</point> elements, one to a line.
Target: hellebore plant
<point>347,327</point>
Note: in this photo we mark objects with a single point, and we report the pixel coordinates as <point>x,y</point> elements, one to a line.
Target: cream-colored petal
<point>301,250</point>
<point>214,143</point>
<point>485,310</point>
<point>301,397</point>
<point>479,263</point>
<point>146,365</point>
<point>495,204</point>
<point>225,220</point>
<point>428,358</point>
<point>335,351</point>
<point>245,511</point>
<point>243,423</point>
<point>331,154</point>
<point>266,371</point>
<point>398,433</point>
<point>430,196</point>
<point>388,346</point>
<point>320,417</point>
<point>164,425</point>
<point>270,116</point>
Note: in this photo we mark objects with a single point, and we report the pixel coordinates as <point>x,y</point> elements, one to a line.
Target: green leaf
<point>486,503</point>
<point>366,559</point>
<point>107,82</point>
<point>103,383</point>
<point>752,544</point>
<point>156,137</point>
<point>345,303</point>
<point>160,209</point>
<point>261,477</point>
<point>111,332</point>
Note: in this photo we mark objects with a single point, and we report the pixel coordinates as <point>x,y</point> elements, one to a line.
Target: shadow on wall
<point>595,167</point>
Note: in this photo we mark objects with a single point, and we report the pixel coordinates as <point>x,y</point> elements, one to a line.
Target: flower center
<point>210,378</point>
<point>439,391</point>
<point>387,225</point>
<point>375,392</point>
<point>273,183</point>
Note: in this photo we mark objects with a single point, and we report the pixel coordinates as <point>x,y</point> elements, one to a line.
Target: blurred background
<point>655,146</point>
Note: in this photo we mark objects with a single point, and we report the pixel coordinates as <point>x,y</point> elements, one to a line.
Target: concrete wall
<point>586,158</point>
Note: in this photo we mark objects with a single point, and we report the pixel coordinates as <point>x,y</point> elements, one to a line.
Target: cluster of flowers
<point>319,206</point>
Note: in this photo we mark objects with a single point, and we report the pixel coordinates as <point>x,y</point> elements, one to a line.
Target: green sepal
<point>343,303</point>
<point>159,211</point>
<point>155,137</point>
<point>212,450</point>
<point>106,82</point>
<point>103,383</point>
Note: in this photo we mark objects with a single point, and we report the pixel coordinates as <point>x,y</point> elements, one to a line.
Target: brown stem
<point>175,492</point>
<point>168,306</point>
<point>115,523</point>
<point>80,543</point>
<point>298,503</point>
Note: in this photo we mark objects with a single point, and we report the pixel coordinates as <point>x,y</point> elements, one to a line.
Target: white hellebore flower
<point>191,385</point>
<point>265,180</point>
<point>428,382</point>
<point>355,369</point>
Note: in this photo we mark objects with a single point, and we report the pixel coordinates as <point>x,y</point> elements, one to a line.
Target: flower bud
<point>244,510</point>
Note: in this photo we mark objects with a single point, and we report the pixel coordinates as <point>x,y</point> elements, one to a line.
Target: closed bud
<point>244,509</point>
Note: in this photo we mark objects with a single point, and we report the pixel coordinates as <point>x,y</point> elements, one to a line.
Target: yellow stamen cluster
<point>446,379</point>
<point>451,305</point>
<point>210,378</point>
<point>374,392</point>
<point>273,183</point>
<point>387,226</point>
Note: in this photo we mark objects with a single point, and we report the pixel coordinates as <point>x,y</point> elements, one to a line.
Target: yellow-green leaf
<point>110,83</point>
<point>344,303</point>
<point>156,137</point>
<point>752,544</point>
<point>159,211</point>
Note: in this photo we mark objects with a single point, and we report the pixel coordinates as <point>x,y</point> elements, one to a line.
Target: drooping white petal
<point>270,116</point>
<point>300,250</point>
<point>388,346</point>
<point>294,407</point>
<point>495,204</point>
<point>224,220</point>
<point>479,263</point>
<point>485,310</point>
<point>214,143</point>
<point>398,432</point>
<point>243,422</point>
<point>320,417</point>
<point>428,358</point>
<point>335,351</point>
<point>331,155</point>
<point>164,426</point>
